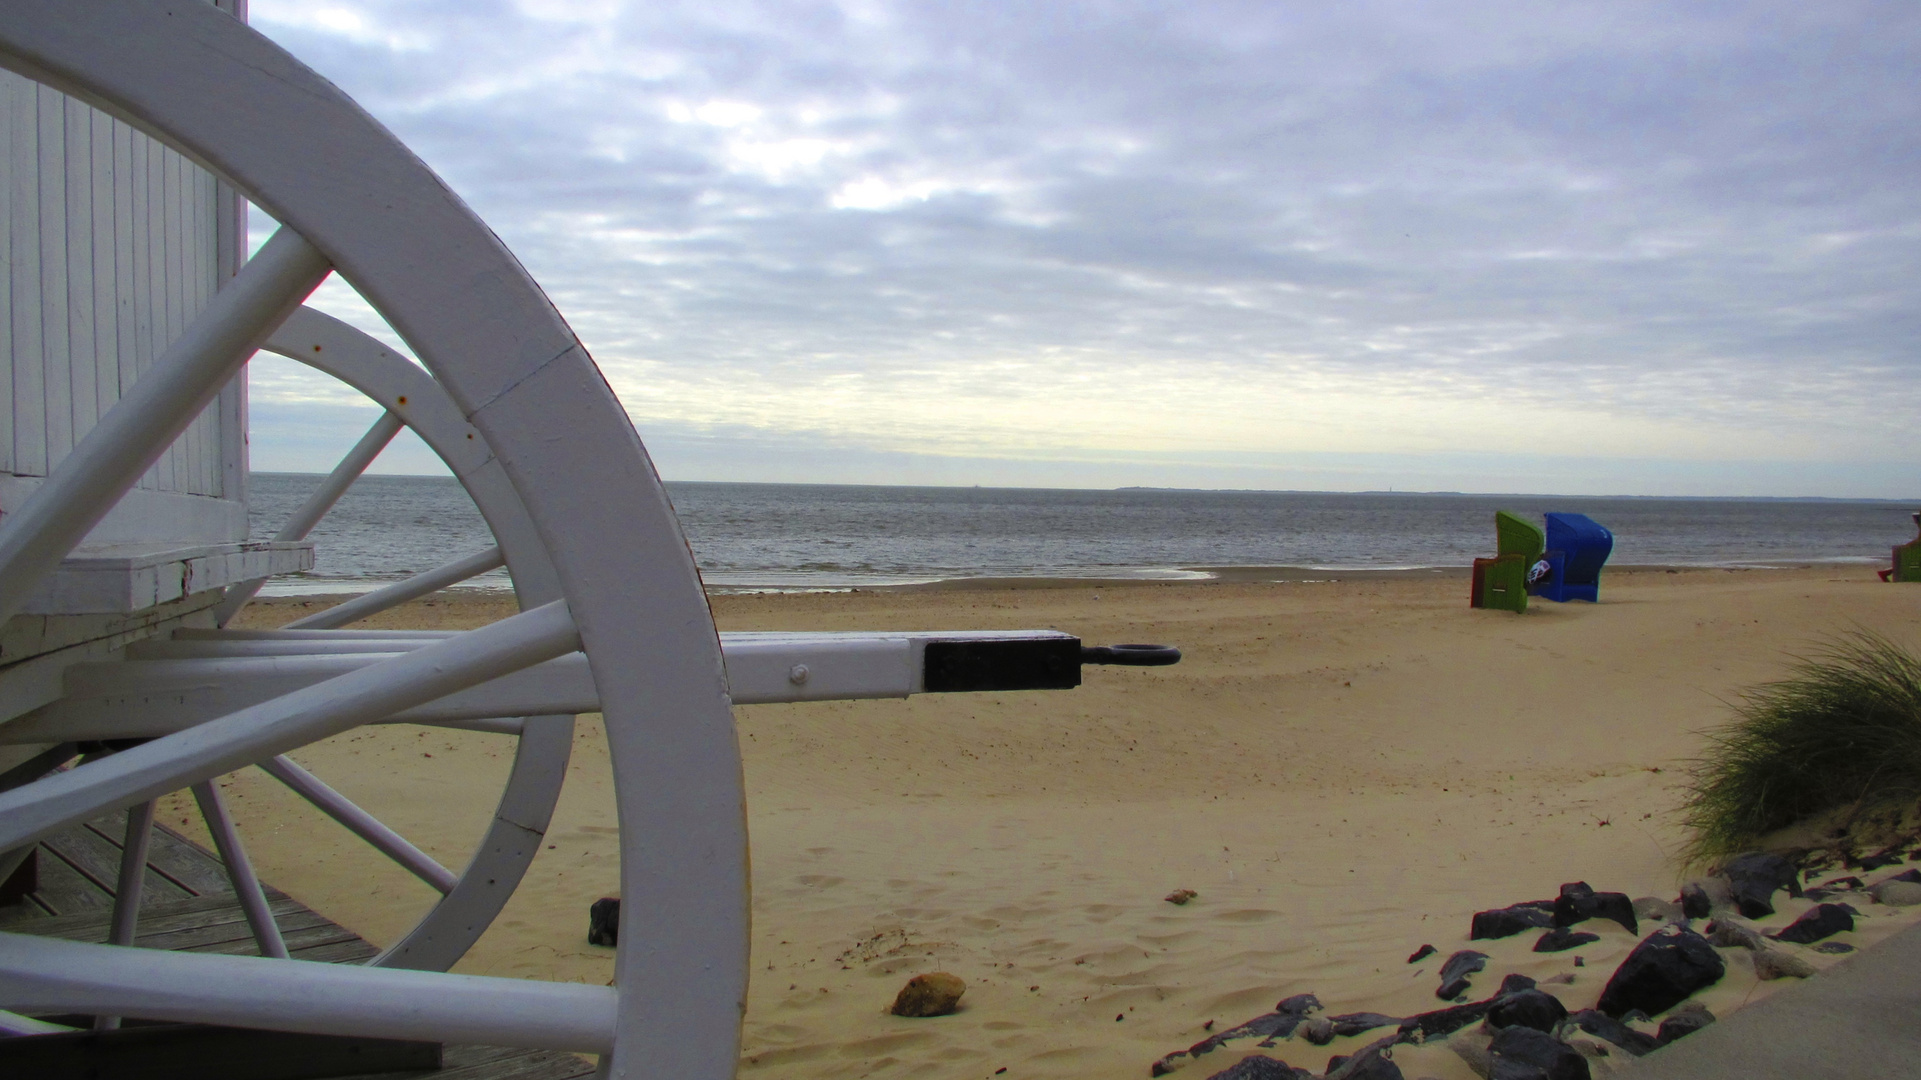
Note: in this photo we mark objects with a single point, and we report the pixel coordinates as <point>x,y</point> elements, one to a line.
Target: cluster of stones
<point>1525,1033</point>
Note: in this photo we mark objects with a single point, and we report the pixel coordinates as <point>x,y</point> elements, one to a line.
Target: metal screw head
<point>798,675</point>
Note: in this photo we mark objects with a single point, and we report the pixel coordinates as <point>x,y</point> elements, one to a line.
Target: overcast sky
<point>1570,247</point>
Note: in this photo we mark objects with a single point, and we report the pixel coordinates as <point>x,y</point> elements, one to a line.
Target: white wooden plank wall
<point>111,243</point>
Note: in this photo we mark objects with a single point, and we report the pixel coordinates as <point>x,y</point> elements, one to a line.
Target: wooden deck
<point>188,904</point>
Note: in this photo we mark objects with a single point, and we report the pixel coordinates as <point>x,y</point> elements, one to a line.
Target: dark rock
<point>1686,1020</point>
<point>1279,1024</point>
<point>1514,984</point>
<point>1537,1009</point>
<point>1695,902</point>
<point>1834,948</point>
<point>937,993</point>
<point>1884,857</point>
<point>1561,939</point>
<point>1260,1067</point>
<point>1522,1053</point>
<point>1578,903</point>
<point>1602,1026</point>
<point>1447,1021</point>
<point>1356,1023</point>
<point>1905,875</point>
<point>1666,968</point>
<point>1756,877</point>
<point>1820,921</point>
<point>1430,1025</point>
<point>1421,953</point>
<point>1511,920</point>
<point>603,921</point>
<point>1298,1004</point>
<point>1375,1061</point>
<point>1454,973</point>
<point>1852,882</point>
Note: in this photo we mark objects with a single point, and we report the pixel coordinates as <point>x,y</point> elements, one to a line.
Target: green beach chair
<point>1907,559</point>
<point>1501,582</point>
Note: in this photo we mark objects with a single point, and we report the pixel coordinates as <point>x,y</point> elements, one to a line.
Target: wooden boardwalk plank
<point>213,923</point>
<point>175,915</point>
<point>62,890</point>
<point>495,1063</point>
<point>90,852</point>
<point>191,866</point>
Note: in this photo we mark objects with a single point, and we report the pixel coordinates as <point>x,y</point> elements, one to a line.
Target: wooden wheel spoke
<point>153,412</point>
<point>361,823</point>
<point>322,500</point>
<point>129,887</point>
<point>133,874</point>
<point>246,886</point>
<point>390,596</point>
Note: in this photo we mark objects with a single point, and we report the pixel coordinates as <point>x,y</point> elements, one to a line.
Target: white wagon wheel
<point>353,199</point>
<point>471,899</point>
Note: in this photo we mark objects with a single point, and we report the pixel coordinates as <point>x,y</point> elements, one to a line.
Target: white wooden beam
<point>39,974</point>
<point>200,678</point>
<point>33,811</point>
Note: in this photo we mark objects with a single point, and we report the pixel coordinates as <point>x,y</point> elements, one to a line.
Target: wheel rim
<point>513,836</point>
<point>304,152</point>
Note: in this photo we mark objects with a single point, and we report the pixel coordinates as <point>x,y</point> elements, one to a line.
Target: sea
<point>803,537</point>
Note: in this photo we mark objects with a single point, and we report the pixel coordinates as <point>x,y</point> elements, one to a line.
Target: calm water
<point>822,536</point>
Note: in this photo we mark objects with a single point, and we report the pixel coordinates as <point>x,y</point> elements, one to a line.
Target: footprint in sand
<point>1247,915</point>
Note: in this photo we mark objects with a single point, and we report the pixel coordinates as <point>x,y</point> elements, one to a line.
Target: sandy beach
<point>1343,769</point>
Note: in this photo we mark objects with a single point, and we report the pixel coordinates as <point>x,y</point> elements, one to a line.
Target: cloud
<point>1580,231</point>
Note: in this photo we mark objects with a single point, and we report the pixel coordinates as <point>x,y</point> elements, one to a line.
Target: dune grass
<point>1842,733</point>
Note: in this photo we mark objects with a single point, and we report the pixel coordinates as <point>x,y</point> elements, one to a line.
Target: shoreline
<point>1190,575</point>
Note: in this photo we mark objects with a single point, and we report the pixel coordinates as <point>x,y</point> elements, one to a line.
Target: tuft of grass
<point>1842,733</point>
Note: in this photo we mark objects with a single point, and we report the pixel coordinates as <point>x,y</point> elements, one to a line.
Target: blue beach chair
<point>1577,546</point>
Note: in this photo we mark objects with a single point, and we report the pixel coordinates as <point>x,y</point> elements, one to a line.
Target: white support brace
<point>322,500</point>
<point>35,810</point>
<point>39,974</point>
<point>12,1023</point>
<point>153,412</point>
<point>391,596</point>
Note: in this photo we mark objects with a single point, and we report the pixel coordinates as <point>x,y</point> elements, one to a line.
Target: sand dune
<point>1343,771</point>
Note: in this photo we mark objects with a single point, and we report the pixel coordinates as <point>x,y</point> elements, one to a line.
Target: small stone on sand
<point>1180,896</point>
<point>603,921</point>
<point>1778,964</point>
<point>1897,893</point>
<point>936,993</point>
